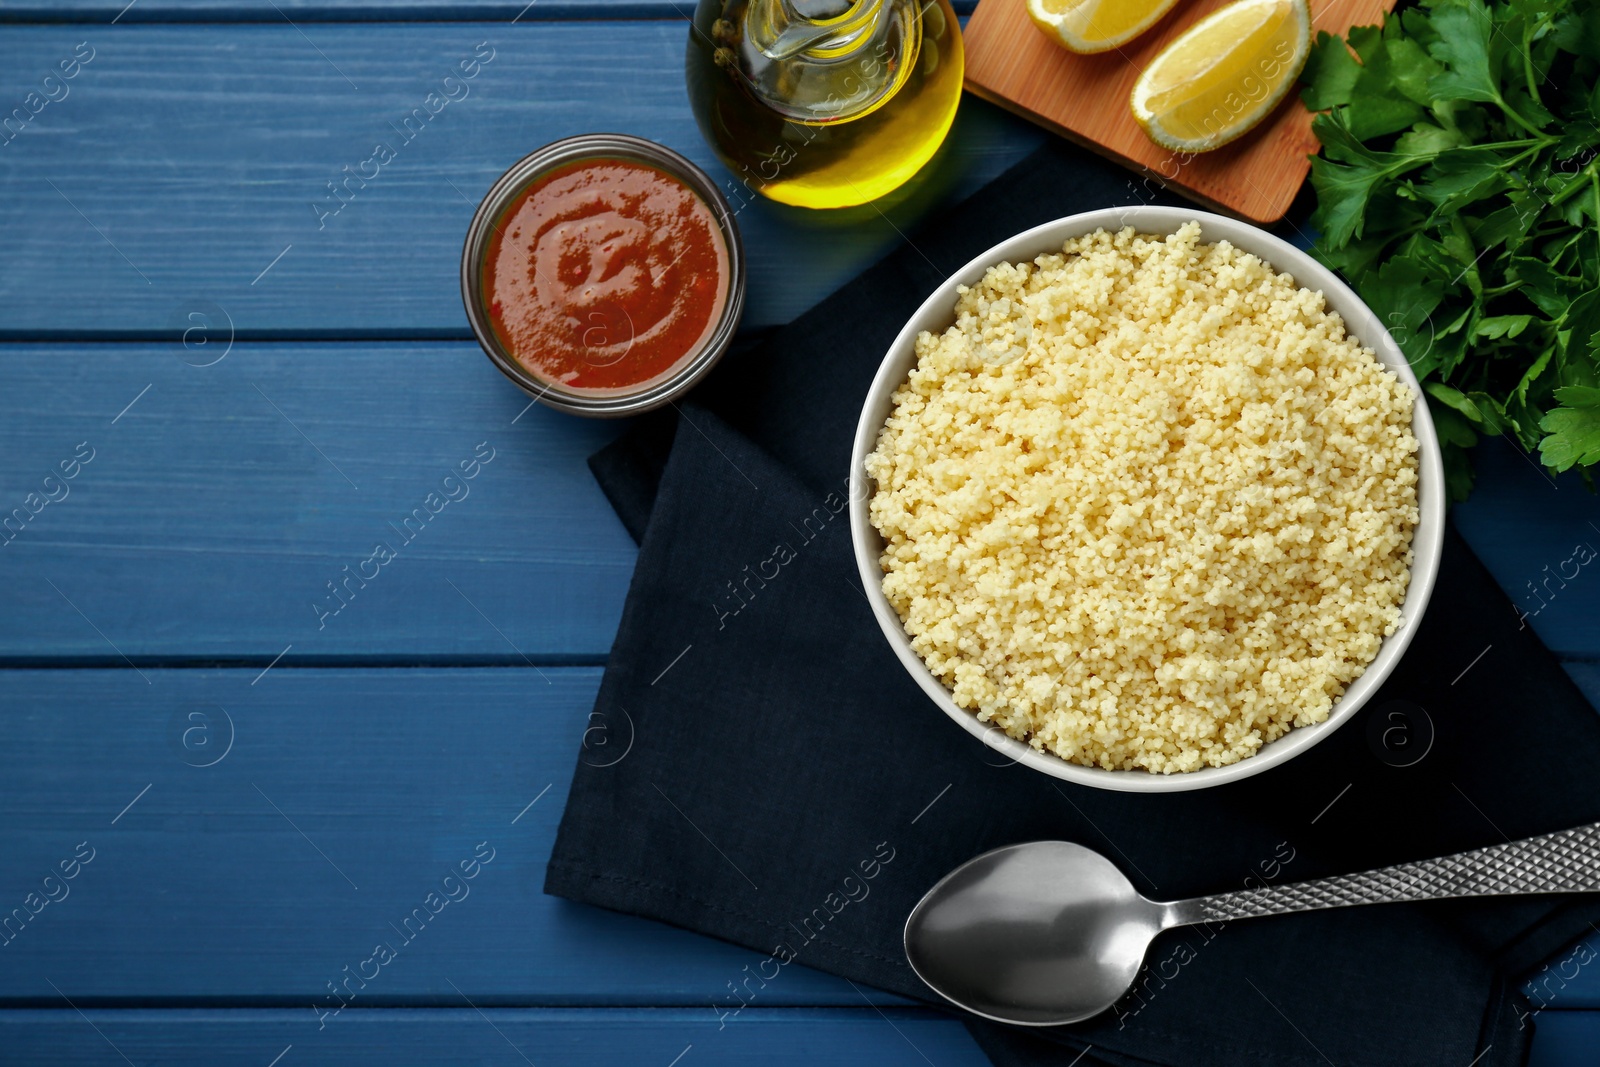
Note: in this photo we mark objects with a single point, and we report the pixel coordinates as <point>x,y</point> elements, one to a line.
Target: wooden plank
<point>223,818</point>
<point>1533,532</point>
<point>618,1037</point>
<point>223,141</point>
<point>237,883</point>
<point>1564,1038</point>
<point>206,526</point>
<point>312,11</point>
<point>1568,981</point>
<point>1085,98</point>
<point>220,501</point>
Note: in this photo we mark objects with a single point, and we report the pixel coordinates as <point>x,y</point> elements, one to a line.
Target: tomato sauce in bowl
<point>603,282</point>
<point>605,274</point>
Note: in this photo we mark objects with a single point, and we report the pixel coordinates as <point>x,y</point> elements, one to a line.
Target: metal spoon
<point>1048,932</point>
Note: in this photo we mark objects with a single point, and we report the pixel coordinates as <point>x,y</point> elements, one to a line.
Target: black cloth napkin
<point>760,768</point>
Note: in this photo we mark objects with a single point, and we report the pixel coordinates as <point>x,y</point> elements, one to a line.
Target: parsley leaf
<point>1404,298</point>
<point>1330,74</point>
<point>1345,175</point>
<point>1464,30</point>
<point>1573,428</point>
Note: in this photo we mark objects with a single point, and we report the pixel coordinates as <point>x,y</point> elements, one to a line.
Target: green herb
<point>1458,191</point>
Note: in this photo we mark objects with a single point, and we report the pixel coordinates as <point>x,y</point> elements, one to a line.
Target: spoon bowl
<point>1036,934</point>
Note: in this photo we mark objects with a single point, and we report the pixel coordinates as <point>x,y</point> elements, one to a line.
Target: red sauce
<point>604,274</point>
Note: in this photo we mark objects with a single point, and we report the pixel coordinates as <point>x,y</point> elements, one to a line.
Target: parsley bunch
<point>1457,191</point>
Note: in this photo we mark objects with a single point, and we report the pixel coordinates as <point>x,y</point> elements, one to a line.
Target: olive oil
<point>824,103</point>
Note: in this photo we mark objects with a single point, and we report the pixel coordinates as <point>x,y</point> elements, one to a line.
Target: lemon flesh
<point>1224,75</point>
<point>1096,25</point>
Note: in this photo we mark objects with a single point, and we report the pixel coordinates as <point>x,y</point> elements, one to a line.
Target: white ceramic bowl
<point>938,312</point>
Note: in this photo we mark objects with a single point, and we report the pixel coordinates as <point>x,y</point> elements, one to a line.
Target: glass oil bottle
<point>824,103</point>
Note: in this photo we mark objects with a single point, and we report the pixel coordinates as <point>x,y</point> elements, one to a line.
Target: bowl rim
<point>571,150</point>
<point>1360,322</point>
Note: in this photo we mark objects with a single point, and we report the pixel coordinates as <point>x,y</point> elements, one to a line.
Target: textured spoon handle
<point>1564,862</point>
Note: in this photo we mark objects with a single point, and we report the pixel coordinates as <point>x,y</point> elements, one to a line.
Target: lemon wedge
<point>1096,25</point>
<point>1224,75</point>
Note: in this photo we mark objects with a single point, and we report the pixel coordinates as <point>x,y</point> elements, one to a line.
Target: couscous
<point>1146,504</point>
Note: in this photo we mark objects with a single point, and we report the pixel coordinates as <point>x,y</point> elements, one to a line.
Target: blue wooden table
<point>225,773</point>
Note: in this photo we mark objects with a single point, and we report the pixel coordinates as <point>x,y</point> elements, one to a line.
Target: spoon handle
<point>1563,862</point>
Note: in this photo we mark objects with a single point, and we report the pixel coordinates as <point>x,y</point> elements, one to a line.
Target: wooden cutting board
<point>1085,98</point>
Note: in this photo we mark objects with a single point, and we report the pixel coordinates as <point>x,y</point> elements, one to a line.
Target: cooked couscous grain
<point>1146,505</point>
